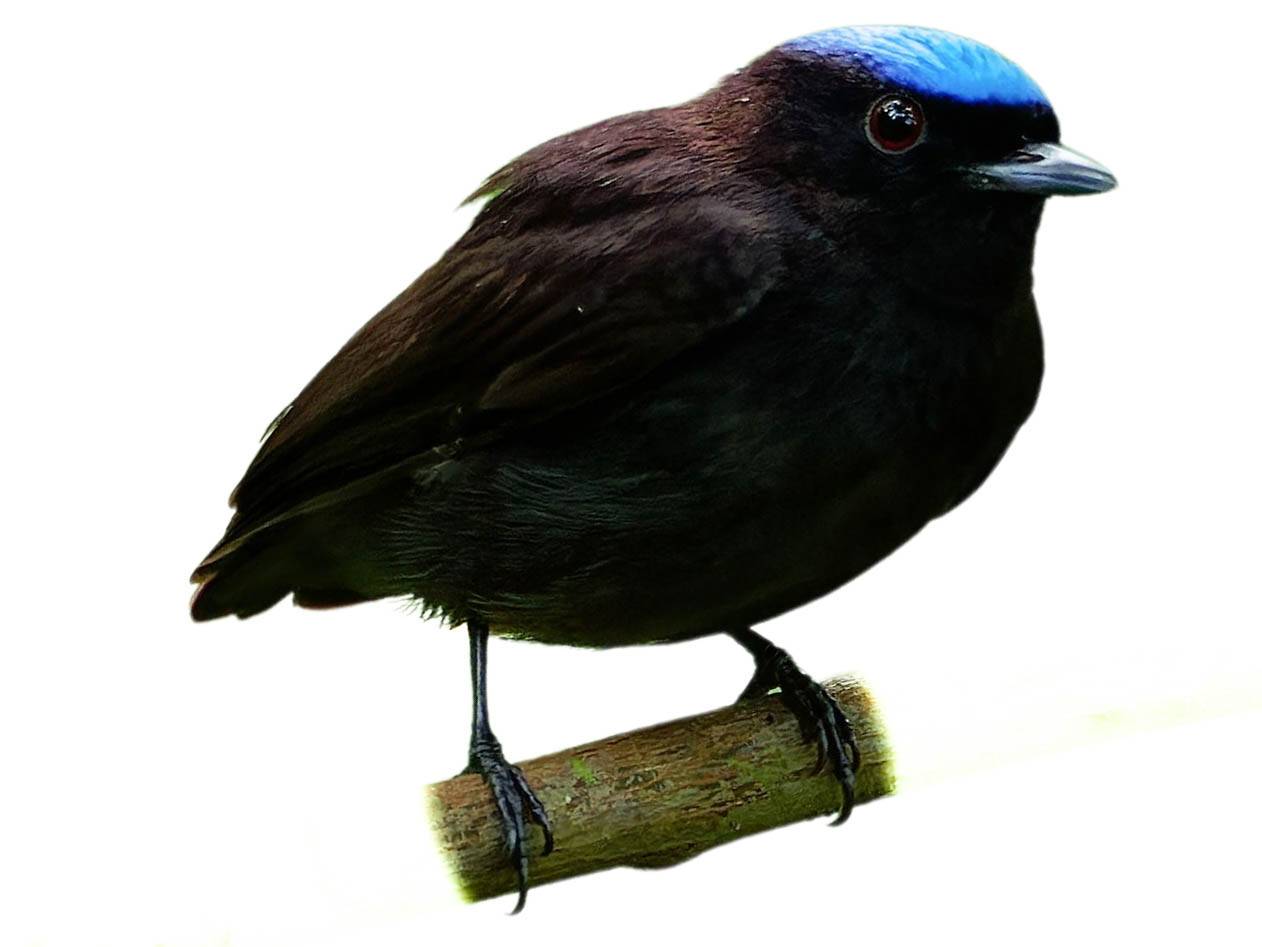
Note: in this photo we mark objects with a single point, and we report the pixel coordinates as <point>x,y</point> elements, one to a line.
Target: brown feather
<point>590,267</point>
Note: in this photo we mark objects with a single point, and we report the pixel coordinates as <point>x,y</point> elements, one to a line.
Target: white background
<point>200,203</point>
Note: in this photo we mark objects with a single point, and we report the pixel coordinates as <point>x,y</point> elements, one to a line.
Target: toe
<point>824,723</point>
<point>516,803</point>
<point>820,718</point>
<point>534,809</point>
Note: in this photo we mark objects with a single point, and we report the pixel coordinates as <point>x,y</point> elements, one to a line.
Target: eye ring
<point>895,123</point>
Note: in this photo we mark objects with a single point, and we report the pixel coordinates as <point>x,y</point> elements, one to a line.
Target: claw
<point>758,685</point>
<point>516,803</point>
<point>821,745</point>
<point>820,718</point>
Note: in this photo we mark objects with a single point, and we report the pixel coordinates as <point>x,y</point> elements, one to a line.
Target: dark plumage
<point>688,368</point>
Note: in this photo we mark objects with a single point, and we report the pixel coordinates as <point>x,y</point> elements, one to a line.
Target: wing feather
<point>545,304</point>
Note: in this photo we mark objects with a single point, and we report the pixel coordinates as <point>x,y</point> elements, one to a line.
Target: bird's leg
<point>513,796</point>
<point>821,719</point>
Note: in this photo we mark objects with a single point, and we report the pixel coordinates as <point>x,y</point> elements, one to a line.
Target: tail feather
<point>243,587</point>
<point>325,552</point>
<point>310,557</point>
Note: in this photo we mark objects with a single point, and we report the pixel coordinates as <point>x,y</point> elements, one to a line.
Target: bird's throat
<point>969,254</point>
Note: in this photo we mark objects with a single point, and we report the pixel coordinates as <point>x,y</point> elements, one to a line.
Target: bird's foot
<point>516,803</point>
<point>821,718</point>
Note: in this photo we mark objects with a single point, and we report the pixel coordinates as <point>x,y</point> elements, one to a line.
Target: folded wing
<point>546,304</point>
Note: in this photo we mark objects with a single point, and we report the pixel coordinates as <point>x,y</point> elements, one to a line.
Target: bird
<point>689,368</point>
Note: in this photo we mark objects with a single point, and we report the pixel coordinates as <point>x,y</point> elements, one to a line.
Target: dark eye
<point>895,123</point>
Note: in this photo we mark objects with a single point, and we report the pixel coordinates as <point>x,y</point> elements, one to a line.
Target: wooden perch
<point>658,796</point>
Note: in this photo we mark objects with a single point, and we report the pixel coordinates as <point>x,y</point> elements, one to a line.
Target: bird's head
<point>902,109</point>
<point>930,152</point>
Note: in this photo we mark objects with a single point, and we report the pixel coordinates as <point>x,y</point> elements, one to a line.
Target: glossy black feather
<point>687,369</point>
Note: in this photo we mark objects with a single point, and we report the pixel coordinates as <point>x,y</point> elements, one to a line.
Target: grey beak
<point>1042,168</point>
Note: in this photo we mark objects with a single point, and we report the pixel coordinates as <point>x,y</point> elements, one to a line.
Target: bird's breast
<point>756,475</point>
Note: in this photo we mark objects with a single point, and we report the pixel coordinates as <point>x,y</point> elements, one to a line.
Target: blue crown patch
<point>931,62</point>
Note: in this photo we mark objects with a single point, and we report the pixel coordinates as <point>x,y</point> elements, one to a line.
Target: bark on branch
<point>658,796</point>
